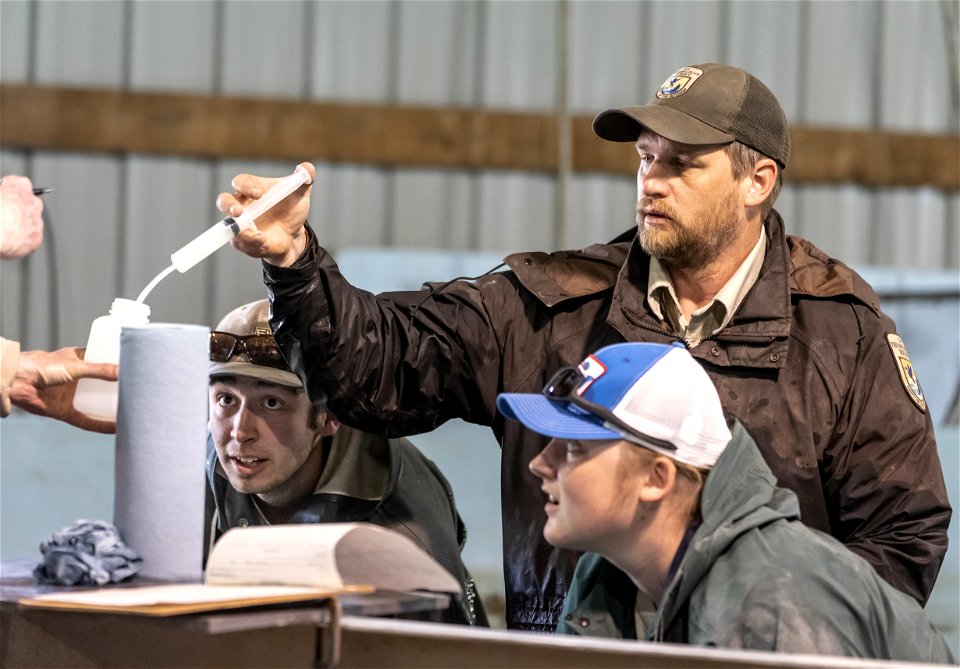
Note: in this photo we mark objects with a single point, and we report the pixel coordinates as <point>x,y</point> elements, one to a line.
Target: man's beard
<point>692,243</point>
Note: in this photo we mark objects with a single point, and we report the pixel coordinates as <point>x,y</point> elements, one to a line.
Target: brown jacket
<point>805,365</point>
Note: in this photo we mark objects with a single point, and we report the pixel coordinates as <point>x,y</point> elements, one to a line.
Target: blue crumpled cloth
<point>89,552</point>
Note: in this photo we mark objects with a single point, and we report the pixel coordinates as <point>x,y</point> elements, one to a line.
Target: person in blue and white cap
<point>689,538</point>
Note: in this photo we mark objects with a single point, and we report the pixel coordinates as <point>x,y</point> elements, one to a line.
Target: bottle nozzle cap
<point>123,306</point>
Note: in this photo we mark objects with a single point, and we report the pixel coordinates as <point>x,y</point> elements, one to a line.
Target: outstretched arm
<point>46,382</point>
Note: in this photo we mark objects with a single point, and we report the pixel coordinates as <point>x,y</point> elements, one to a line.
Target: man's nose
<point>244,426</point>
<point>652,179</point>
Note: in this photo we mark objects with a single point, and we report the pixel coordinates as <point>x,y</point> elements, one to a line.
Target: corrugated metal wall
<point>113,221</point>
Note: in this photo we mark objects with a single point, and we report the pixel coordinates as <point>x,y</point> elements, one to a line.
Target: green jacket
<point>754,576</point>
<point>369,479</point>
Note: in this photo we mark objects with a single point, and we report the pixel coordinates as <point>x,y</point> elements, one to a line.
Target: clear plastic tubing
<point>225,230</point>
<point>150,286</point>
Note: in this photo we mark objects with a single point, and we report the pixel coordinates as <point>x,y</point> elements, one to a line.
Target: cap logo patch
<point>908,375</point>
<point>260,331</point>
<point>591,369</point>
<point>679,82</point>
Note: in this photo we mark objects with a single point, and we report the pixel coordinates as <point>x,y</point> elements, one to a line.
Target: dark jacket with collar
<point>753,576</point>
<point>369,479</point>
<point>805,364</point>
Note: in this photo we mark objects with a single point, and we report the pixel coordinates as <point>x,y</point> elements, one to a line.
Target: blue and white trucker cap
<point>658,391</point>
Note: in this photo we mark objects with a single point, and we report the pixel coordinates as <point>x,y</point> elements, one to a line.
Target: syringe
<point>228,228</point>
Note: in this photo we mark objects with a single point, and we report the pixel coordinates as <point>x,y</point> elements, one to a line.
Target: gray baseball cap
<point>250,321</point>
<point>706,104</point>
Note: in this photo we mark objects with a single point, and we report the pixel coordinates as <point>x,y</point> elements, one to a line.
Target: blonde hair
<point>637,459</point>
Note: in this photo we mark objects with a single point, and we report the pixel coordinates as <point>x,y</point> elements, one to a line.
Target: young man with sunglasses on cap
<point>276,457</point>
<point>794,340</point>
<point>689,538</point>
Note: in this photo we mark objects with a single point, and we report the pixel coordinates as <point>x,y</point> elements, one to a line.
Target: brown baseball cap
<point>251,319</point>
<point>706,104</point>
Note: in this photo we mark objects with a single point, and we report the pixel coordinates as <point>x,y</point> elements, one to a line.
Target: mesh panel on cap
<point>760,119</point>
<point>675,401</point>
<point>659,414</point>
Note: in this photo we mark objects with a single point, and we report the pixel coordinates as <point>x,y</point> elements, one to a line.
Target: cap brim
<point>551,419</point>
<point>623,125</point>
<point>273,375</point>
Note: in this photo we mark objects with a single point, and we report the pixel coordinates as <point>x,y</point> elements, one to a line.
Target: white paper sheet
<point>161,440</point>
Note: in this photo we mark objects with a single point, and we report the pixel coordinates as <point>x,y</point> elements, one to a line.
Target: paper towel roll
<point>161,447</point>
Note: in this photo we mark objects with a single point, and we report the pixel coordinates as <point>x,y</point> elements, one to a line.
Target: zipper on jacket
<point>719,337</point>
<point>741,339</point>
<point>637,321</point>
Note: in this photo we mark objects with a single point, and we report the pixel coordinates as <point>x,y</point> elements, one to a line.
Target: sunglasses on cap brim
<point>259,349</point>
<point>563,387</point>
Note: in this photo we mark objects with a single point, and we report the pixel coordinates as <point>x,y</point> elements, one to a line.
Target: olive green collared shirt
<point>710,318</point>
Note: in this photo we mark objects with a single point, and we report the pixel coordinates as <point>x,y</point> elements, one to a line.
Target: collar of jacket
<point>323,505</point>
<point>606,609</point>
<point>757,336</point>
<point>763,318</point>
<point>739,495</point>
<point>563,275</point>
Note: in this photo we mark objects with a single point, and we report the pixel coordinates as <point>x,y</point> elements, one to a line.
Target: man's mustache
<point>649,205</point>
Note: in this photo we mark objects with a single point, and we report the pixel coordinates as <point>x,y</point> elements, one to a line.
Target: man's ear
<point>660,478</point>
<point>327,425</point>
<point>763,177</point>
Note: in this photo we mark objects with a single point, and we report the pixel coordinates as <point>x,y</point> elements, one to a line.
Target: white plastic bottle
<point>95,397</point>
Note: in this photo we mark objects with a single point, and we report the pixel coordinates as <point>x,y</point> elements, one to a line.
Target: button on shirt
<point>710,318</point>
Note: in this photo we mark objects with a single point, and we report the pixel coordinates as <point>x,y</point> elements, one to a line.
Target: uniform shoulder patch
<point>908,375</point>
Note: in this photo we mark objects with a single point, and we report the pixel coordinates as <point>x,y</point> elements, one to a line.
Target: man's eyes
<point>647,155</point>
<point>270,403</point>
<point>273,403</point>
<point>675,161</point>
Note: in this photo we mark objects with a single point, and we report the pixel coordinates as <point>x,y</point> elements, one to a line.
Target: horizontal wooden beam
<point>117,121</point>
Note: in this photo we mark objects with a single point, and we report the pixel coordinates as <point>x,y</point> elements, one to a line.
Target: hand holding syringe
<point>279,238</point>
<point>228,228</point>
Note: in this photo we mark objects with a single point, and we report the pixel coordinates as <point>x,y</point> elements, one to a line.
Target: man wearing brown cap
<point>794,340</point>
<point>276,457</point>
